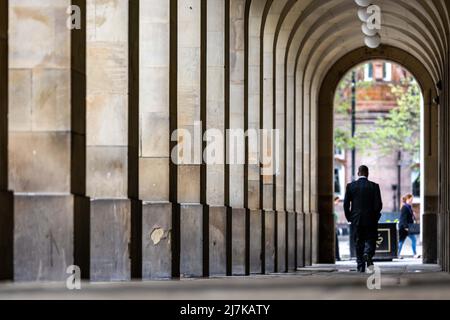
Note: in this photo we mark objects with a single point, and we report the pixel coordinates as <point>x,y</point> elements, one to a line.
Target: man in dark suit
<point>362,206</point>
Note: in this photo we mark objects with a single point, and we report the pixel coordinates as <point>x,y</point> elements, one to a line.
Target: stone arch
<point>325,150</point>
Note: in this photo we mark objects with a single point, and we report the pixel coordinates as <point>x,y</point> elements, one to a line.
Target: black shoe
<point>368,261</point>
<point>362,268</point>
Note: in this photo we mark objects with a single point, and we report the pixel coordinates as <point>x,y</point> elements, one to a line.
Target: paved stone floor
<point>401,279</point>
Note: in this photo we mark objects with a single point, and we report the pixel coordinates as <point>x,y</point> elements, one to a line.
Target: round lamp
<point>363,3</point>
<point>368,32</point>
<point>373,42</point>
<point>363,15</point>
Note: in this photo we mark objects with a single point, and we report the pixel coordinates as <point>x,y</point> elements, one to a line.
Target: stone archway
<point>325,148</point>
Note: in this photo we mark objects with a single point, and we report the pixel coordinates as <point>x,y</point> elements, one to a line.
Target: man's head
<point>363,171</point>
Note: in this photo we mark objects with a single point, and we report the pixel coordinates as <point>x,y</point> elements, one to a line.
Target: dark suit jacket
<point>362,203</point>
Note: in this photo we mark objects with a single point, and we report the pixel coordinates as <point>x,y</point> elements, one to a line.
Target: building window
<point>339,153</point>
<point>387,71</point>
<point>368,72</point>
<point>339,180</point>
<point>337,184</point>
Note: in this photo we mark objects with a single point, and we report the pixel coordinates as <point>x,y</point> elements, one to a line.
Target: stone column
<point>284,103</point>
<point>294,101</point>
<point>259,117</point>
<point>276,110</point>
<point>430,169</point>
<point>258,235</point>
<point>315,234</point>
<point>216,125</point>
<point>237,185</point>
<point>154,137</point>
<point>307,178</point>
<point>190,137</point>
<point>39,164</point>
<point>107,139</point>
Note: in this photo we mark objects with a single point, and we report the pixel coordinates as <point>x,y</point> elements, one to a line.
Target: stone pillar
<point>39,165</point>
<point>253,181</point>
<point>154,138</point>
<point>39,140</point>
<point>307,179</point>
<point>430,169</point>
<point>294,101</point>
<point>107,128</point>
<point>216,124</point>
<point>284,101</point>
<point>237,183</point>
<point>326,227</point>
<point>6,198</point>
<point>274,108</point>
<point>190,137</point>
<point>315,235</point>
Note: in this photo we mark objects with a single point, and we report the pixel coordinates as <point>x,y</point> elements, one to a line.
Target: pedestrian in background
<point>407,218</point>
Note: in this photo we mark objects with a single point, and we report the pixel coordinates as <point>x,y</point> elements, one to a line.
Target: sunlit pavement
<point>400,279</point>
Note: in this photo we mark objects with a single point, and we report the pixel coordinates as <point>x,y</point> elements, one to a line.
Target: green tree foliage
<point>399,130</point>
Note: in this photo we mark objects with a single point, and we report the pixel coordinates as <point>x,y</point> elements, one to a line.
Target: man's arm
<point>347,201</point>
<point>378,202</point>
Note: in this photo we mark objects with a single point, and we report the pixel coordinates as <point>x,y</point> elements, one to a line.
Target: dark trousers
<point>365,242</point>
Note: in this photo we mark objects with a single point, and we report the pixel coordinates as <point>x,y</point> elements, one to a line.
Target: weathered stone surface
<point>291,241</point>
<point>107,20</point>
<point>154,87</point>
<point>20,100</point>
<point>189,184</point>
<point>217,241</point>
<point>269,233</point>
<point>253,194</point>
<point>107,120</point>
<point>191,241</point>
<point>39,162</point>
<point>43,237</point>
<point>50,100</point>
<point>315,236</point>
<point>215,185</point>
<point>308,239</point>
<point>268,196</point>
<point>110,240</point>
<point>281,241</point>
<point>237,186</point>
<point>256,258</point>
<point>155,135</point>
<point>107,65</point>
<point>154,179</point>
<point>107,172</point>
<point>300,240</point>
<point>156,240</point>
<point>49,47</point>
<point>238,243</point>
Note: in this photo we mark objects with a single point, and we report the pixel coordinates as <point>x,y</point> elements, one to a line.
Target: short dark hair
<point>363,171</point>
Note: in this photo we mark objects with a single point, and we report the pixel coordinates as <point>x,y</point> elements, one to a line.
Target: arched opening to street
<point>378,122</point>
<point>376,100</point>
